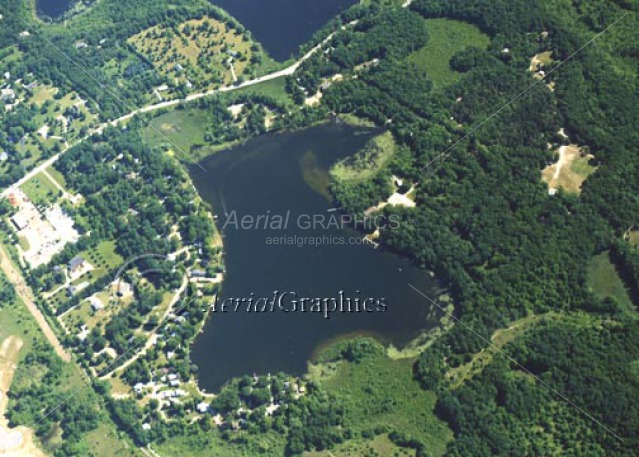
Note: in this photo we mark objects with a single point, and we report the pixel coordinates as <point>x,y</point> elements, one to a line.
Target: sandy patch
<point>396,198</point>
<point>268,120</point>
<point>539,61</point>
<point>569,172</point>
<point>314,100</point>
<point>14,442</point>
<point>236,110</point>
<point>538,65</point>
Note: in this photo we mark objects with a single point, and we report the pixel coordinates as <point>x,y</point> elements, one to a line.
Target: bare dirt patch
<point>569,172</point>
<point>539,61</point>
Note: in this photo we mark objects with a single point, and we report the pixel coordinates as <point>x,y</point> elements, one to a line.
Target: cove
<point>283,174</point>
<point>53,8</point>
<point>282,25</point>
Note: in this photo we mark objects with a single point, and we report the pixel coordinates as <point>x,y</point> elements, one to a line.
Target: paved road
<point>15,277</point>
<point>167,104</point>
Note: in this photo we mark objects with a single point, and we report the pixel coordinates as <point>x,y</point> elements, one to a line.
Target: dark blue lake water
<point>276,174</point>
<point>53,8</point>
<point>282,25</point>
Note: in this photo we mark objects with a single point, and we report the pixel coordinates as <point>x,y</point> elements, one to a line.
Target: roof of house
<point>76,262</point>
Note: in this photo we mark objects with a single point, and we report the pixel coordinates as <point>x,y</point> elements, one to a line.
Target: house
<point>76,264</point>
<point>146,426</point>
<point>172,377</point>
<point>198,273</point>
<point>174,383</point>
<point>24,34</point>
<point>138,388</point>
<point>71,290</point>
<point>96,303</point>
<point>4,156</point>
<point>124,289</point>
<point>84,332</point>
<point>203,407</point>
<point>7,95</point>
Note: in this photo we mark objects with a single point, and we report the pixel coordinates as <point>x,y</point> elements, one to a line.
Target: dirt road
<point>26,295</point>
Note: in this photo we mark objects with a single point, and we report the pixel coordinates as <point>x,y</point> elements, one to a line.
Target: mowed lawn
<point>275,88</point>
<point>40,190</point>
<point>446,38</point>
<point>183,128</point>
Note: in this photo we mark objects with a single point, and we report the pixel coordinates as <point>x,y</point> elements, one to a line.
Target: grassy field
<point>40,190</point>
<point>570,171</point>
<point>352,119</point>
<point>275,88</point>
<point>446,37</point>
<point>184,128</point>
<point>381,392</point>
<point>55,174</point>
<point>380,446</point>
<point>265,444</point>
<point>604,281</point>
<point>103,256</point>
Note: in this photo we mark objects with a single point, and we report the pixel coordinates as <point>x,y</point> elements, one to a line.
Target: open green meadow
<point>275,88</point>
<point>446,37</point>
<point>40,190</point>
<point>183,128</point>
<point>381,394</point>
<point>604,281</point>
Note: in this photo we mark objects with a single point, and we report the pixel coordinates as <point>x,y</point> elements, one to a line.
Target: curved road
<point>15,277</point>
<point>149,108</point>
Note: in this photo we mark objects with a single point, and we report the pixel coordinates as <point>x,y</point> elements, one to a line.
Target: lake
<point>282,25</point>
<point>284,174</point>
<point>53,8</point>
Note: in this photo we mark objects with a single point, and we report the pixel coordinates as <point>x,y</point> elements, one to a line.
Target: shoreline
<point>434,325</point>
